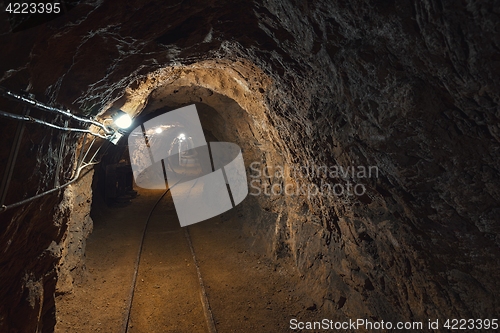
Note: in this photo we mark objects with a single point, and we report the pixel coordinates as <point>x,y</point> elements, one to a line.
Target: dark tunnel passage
<point>321,163</point>
<point>137,242</point>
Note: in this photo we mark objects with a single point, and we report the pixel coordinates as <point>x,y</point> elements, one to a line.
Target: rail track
<point>210,323</point>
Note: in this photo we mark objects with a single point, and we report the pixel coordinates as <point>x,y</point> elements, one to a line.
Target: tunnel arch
<point>238,90</point>
<point>241,81</point>
<point>235,91</point>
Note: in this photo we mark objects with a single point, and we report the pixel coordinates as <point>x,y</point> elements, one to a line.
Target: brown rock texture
<point>78,199</point>
<point>409,87</point>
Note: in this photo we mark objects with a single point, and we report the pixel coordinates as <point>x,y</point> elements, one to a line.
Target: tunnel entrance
<point>146,273</point>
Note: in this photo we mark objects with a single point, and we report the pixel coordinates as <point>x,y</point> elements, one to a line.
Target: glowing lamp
<point>122,120</point>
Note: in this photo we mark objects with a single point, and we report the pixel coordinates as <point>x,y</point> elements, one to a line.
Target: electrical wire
<point>109,133</point>
<point>80,166</point>
<point>44,107</point>
<point>20,203</point>
<point>41,122</point>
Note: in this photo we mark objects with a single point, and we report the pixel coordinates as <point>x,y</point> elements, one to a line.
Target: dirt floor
<point>246,290</point>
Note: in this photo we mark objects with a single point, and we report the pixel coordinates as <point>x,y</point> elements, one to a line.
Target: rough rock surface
<point>78,199</point>
<point>411,88</point>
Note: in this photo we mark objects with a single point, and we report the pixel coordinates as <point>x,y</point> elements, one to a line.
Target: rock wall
<point>77,200</point>
<point>411,88</point>
<point>30,235</point>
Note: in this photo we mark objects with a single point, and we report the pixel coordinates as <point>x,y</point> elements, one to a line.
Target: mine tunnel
<point>361,191</point>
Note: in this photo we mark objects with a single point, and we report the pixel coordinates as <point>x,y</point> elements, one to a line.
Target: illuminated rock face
<point>409,88</point>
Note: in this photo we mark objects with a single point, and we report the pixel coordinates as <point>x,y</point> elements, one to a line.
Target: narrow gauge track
<point>210,323</point>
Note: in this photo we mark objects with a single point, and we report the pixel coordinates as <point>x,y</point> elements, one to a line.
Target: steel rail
<point>204,299</point>
<point>138,261</point>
